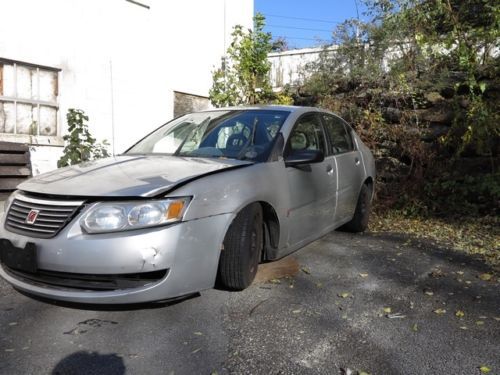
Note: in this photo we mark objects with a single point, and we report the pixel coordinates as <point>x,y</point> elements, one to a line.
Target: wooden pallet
<point>15,166</point>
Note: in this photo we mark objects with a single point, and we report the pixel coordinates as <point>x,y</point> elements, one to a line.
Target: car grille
<point>51,216</point>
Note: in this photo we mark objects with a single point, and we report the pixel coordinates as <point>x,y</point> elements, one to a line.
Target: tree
<point>80,145</point>
<point>243,77</point>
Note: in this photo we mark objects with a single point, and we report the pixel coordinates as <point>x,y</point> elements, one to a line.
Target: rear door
<point>349,169</point>
<point>312,186</point>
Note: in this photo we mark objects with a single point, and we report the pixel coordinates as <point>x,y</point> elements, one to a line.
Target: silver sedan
<point>204,198</point>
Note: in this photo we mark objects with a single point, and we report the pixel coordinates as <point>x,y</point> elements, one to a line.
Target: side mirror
<point>303,157</point>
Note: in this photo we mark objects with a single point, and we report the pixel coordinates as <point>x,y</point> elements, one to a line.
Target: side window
<point>307,134</point>
<point>339,135</point>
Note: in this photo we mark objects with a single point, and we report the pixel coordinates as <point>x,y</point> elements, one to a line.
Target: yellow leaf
<point>459,314</point>
<point>484,369</point>
<point>306,270</point>
<point>440,311</point>
<point>485,276</point>
<point>363,274</point>
<point>387,310</point>
<point>479,322</point>
<point>414,328</point>
<point>344,295</point>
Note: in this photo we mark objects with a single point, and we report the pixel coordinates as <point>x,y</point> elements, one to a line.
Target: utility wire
<point>297,28</point>
<point>299,38</point>
<point>302,19</point>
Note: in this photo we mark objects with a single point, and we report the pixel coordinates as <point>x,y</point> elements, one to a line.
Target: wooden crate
<point>15,166</point>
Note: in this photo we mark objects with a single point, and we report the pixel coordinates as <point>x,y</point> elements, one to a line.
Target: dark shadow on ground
<point>88,363</point>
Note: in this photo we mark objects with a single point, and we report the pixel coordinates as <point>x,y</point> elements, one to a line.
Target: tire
<point>359,222</point>
<point>242,249</point>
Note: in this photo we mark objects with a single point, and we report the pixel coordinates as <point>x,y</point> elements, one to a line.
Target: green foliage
<point>420,84</point>
<point>243,77</point>
<point>80,145</point>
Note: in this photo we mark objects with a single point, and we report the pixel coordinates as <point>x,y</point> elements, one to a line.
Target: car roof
<point>289,108</point>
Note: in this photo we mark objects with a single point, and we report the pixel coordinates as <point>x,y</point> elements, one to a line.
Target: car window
<point>307,134</point>
<point>238,134</point>
<point>338,134</point>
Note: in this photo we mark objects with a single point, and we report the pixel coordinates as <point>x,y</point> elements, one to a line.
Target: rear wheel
<point>242,250</point>
<point>359,222</point>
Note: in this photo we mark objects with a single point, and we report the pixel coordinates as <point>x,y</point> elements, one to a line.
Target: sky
<point>305,23</point>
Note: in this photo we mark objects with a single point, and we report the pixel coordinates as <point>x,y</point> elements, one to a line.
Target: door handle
<point>356,160</point>
<point>329,169</point>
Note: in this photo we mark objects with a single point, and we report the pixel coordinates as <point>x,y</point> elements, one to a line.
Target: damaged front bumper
<point>125,267</point>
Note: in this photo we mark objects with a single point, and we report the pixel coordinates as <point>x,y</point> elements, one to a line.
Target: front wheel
<point>242,249</point>
<point>359,222</point>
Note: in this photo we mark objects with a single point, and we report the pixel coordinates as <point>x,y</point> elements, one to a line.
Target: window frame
<point>347,128</point>
<point>15,136</point>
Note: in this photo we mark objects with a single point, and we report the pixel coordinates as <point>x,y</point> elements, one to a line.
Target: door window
<point>339,135</point>
<point>307,134</point>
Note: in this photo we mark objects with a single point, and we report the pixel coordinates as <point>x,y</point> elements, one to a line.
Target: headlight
<point>119,216</point>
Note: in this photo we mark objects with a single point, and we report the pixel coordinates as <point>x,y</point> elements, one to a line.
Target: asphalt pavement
<point>344,304</point>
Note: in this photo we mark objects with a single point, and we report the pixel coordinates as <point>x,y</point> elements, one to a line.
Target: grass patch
<point>472,235</point>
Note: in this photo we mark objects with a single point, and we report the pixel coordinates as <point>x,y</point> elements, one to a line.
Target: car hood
<point>127,176</point>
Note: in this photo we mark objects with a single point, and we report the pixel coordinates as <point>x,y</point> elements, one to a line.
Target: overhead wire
<point>302,18</point>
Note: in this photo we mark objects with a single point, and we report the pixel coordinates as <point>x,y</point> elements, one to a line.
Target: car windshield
<point>234,134</point>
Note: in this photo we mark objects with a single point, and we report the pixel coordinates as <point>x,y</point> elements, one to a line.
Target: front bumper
<point>188,251</point>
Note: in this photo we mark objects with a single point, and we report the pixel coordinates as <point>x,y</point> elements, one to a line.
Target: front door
<point>312,186</point>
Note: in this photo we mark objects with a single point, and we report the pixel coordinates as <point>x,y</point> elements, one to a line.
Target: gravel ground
<point>327,316</point>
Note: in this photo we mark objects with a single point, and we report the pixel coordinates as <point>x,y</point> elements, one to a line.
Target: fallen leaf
<point>275,281</point>
<point>484,369</point>
<point>296,311</point>
<point>9,350</point>
<point>497,318</point>
<point>459,314</point>
<point>306,270</point>
<point>479,323</point>
<point>463,327</point>
<point>414,328</point>
<point>344,295</point>
<point>13,324</point>
<point>429,292</point>
<point>363,274</point>
<point>198,333</point>
<point>387,310</point>
<point>196,351</point>
<point>319,285</point>
<point>396,316</point>
<point>440,311</point>
<point>485,276</point>
<point>460,272</point>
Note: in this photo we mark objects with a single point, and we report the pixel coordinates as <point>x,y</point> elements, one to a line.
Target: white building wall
<point>289,67</point>
<point>119,62</point>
